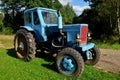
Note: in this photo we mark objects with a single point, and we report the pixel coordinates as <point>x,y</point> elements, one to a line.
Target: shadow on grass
<point>50,59</point>
<point>51,67</point>
<point>11,52</point>
<point>46,57</point>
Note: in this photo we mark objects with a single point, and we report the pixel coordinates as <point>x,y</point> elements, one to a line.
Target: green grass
<point>107,45</point>
<point>12,68</point>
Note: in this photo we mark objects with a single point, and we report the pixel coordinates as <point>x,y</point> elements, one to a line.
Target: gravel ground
<point>109,60</point>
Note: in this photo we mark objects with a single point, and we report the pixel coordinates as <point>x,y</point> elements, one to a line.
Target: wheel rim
<point>89,55</point>
<point>93,53</point>
<point>93,57</point>
<point>21,48</point>
<point>68,64</point>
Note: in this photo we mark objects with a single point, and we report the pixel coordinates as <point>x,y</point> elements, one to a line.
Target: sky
<point>77,5</point>
<point>0,2</point>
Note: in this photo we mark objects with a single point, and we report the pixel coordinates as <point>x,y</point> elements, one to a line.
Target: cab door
<point>38,28</point>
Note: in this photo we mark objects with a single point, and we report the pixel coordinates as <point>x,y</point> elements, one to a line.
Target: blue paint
<point>44,29</point>
<point>28,28</point>
<point>86,47</point>
<point>51,36</point>
<point>68,64</point>
<point>40,29</point>
<point>20,46</point>
<point>72,30</point>
<point>60,22</point>
<point>89,55</point>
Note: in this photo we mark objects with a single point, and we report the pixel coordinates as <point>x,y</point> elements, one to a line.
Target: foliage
<point>107,45</point>
<point>1,23</point>
<point>3,29</point>
<point>14,17</point>
<point>7,31</point>
<point>103,18</point>
<point>68,14</point>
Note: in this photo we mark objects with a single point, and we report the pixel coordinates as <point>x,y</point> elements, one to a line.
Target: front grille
<point>83,34</point>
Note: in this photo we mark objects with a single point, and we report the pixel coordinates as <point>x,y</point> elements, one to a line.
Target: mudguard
<point>27,28</point>
<point>86,47</point>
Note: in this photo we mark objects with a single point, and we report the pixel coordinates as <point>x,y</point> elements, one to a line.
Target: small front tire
<point>95,52</point>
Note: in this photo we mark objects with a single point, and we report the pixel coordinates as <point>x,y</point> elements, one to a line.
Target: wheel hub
<point>21,46</point>
<point>67,64</point>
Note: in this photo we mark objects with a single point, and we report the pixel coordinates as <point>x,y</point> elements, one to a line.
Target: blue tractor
<point>43,31</point>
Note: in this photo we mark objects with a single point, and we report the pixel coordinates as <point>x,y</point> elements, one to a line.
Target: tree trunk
<point>118,21</point>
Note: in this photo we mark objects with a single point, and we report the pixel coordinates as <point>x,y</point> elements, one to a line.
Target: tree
<point>14,16</point>
<point>69,14</point>
<point>105,22</point>
<point>1,24</point>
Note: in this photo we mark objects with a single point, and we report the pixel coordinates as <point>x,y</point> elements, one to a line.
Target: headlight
<point>89,34</point>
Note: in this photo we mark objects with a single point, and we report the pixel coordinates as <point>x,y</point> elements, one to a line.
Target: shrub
<point>7,31</point>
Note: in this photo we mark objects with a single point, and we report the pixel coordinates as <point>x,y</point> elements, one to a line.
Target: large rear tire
<point>69,62</point>
<point>24,44</point>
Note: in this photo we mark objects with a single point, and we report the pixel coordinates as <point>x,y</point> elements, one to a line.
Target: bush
<point>3,29</point>
<point>1,26</point>
<point>7,31</point>
<point>1,23</point>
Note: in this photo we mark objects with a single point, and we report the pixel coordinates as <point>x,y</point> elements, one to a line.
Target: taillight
<point>83,34</point>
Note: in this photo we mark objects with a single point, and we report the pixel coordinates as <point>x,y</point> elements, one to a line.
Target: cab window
<point>36,18</point>
<point>28,18</point>
<point>49,17</point>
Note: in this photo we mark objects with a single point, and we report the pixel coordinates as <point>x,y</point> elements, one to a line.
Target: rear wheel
<point>95,56</point>
<point>25,45</point>
<point>69,62</point>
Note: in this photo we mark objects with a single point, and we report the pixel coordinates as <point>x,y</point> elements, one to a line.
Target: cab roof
<point>40,8</point>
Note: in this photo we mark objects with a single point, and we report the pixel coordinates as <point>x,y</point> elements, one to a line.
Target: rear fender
<point>27,28</point>
<point>38,37</point>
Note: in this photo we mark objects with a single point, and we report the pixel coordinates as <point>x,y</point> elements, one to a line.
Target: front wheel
<point>95,56</point>
<point>69,62</point>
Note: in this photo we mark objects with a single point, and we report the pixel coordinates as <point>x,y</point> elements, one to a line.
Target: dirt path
<point>1,45</point>
<point>109,61</point>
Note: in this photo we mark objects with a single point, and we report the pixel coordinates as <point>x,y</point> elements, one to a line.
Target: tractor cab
<point>39,19</point>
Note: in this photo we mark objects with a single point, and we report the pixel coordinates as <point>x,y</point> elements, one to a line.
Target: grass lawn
<point>12,68</point>
<point>107,45</point>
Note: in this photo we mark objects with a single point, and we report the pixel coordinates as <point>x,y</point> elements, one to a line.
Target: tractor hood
<point>71,31</point>
<point>73,27</point>
<point>74,30</point>
<point>66,28</point>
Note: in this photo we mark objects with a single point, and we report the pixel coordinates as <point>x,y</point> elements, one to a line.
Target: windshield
<point>49,17</point>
